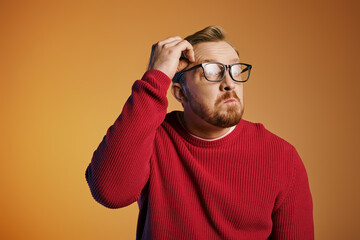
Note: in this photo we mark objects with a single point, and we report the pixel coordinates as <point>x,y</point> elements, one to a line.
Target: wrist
<point>157,78</point>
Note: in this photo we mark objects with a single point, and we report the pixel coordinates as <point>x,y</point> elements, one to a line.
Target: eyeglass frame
<point>249,66</point>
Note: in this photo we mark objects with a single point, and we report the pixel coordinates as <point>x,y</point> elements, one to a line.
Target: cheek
<point>202,93</point>
<point>208,96</point>
<point>202,96</point>
<point>240,92</point>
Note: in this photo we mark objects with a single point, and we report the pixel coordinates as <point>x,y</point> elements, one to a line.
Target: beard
<point>223,118</point>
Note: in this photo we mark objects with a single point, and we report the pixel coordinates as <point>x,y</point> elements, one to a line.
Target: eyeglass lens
<point>215,72</point>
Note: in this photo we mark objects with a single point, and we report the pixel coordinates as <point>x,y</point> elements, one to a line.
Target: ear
<point>178,92</point>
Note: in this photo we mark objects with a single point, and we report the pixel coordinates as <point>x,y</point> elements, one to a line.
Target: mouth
<point>230,100</point>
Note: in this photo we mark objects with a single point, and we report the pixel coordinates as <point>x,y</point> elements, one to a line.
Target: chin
<point>227,119</point>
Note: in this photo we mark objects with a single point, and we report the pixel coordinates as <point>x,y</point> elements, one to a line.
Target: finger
<point>183,63</point>
<point>172,43</point>
<point>187,49</point>
<point>168,40</point>
<point>190,55</point>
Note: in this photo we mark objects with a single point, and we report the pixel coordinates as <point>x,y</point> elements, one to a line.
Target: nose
<point>227,84</point>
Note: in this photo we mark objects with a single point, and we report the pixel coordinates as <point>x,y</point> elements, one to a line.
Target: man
<point>204,173</point>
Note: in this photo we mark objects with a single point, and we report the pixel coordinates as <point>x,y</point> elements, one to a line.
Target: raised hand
<point>165,55</point>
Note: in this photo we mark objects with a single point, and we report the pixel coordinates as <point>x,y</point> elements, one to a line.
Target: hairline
<point>205,60</point>
<point>182,82</point>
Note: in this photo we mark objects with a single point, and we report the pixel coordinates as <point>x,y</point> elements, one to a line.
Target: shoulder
<point>266,140</point>
<point>170,125</point>
<point>259,131</point>
<point>281,155</point>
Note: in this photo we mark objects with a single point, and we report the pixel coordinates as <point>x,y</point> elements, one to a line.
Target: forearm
<point>120,166</point>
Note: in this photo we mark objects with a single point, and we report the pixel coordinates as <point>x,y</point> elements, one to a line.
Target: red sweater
<point>249,184</point>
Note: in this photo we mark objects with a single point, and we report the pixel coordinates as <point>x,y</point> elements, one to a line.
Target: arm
<point>293,218</point>
<point>120,166</point>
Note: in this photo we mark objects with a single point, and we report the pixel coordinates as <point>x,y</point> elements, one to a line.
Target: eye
<point>212,70</point>
<point>236,70</point>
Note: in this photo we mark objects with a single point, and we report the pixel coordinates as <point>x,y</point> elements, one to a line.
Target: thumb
<point>183,63</point>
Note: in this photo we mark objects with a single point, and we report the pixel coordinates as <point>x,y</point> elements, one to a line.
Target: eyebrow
<point>208,60</point>
<point>213,60</point>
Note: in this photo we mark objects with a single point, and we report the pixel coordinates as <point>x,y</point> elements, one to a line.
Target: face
<point>217,103</point>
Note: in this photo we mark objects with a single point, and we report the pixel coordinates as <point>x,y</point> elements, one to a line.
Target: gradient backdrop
<point>67,68</point>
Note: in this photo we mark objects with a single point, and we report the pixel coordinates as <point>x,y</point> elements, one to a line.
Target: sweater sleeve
<point>293,218</point>
<point>120,166</point>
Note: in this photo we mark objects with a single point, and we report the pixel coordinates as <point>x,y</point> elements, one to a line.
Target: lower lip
<point>232,101</point>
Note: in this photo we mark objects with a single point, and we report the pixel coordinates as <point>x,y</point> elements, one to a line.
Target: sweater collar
<point>194,140</point>
<point>180,120</point>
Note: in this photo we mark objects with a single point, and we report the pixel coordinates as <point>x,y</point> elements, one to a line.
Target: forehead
<point>215,51</point>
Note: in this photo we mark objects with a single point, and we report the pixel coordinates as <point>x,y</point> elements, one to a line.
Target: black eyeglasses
<point>215,71</point>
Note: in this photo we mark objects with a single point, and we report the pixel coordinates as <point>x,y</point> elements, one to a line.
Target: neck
<point>200,128</point>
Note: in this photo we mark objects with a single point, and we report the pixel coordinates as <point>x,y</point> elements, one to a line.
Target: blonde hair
<point>208,34</point>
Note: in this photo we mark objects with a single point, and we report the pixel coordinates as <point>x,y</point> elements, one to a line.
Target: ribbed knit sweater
<point>249,184</point>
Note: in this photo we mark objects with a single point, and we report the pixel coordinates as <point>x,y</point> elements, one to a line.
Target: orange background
<point>67,69</point>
